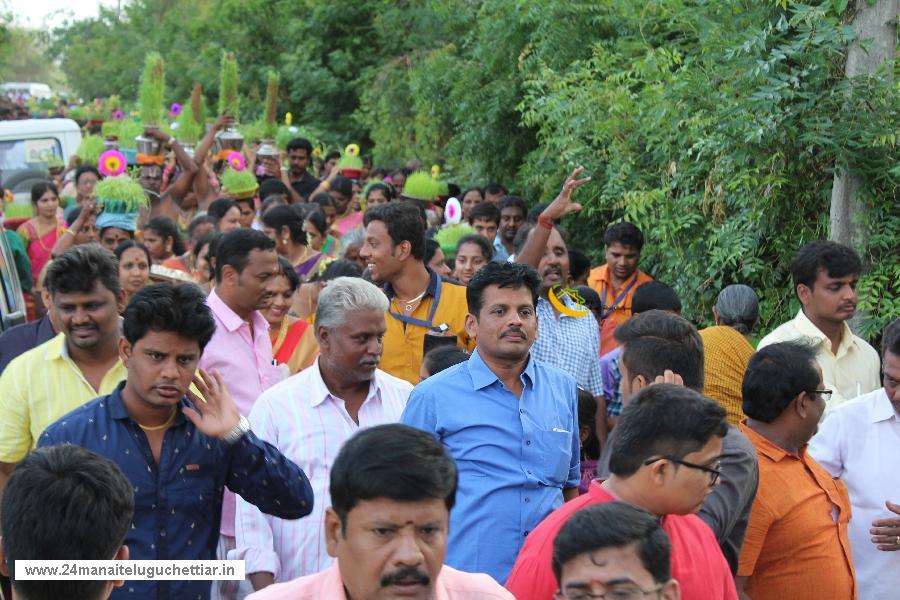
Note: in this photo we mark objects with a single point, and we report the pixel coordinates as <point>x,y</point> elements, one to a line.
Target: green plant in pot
<point>151,94</point>
<point>229,139</point>
<point>267,147</point>
<point>190,121</point>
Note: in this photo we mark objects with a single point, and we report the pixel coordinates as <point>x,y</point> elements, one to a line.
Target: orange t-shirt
<point>599,281</point>
<point>797,545</point>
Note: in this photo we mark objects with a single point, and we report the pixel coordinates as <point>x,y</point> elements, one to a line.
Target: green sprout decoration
<point>229,101</point>
<point>447,237</point>
<point>153,83</point>
<point>270,124</point>
<point>421,186</point>
<point>110,129</point>
<point>239,182</point>
<point>90,149</point>
<point>190,127</point>
<point>120,195</point>
<point>128,130</point>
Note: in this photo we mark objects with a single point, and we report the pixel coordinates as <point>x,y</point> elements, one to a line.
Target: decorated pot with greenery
<point>229,139</point>
<point>151,95</point>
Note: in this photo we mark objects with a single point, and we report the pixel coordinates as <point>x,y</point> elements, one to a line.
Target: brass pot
<point>267,149</point>
<point>148,146</point>
<point>229,139</point>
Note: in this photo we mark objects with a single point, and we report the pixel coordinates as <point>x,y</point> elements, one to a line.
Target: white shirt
<point>853,371</point>
<point>860,442</point>
<point>301,418</point>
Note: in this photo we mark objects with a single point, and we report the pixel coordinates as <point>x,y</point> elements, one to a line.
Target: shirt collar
<point>230,319</point>
<point>429,291</point>
<point>882,409</point>
<point>809,329</point>
<point>320,391</point>
<point>482,376</point>
<point>56,347</point>
<point>767,448</point>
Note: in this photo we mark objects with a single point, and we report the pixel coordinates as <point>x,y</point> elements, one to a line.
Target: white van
<point>26,88</point>
<point>25,146</point>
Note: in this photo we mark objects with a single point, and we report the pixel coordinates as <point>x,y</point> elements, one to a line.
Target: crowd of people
<point>334,381</point>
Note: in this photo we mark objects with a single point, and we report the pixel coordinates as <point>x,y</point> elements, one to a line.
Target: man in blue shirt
<point>510,422</point>
<point>178,451</point>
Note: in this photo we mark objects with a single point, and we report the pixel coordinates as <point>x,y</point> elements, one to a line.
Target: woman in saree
<point>40,234</point>
<point>293,340</point>
<point>284,225</point>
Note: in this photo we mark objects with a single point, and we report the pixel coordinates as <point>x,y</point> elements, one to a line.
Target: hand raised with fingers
<point>217,415</point>
<point>563,205</point>
<point>669,376</point>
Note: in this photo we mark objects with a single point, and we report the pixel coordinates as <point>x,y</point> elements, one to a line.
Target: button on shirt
<point>39,387</point>
<point>244,360</point>
<point>855,369</point>
<point>859,442</point>
<point>303,420</point>
<point>177,503</point>
<point>515,456</point>
<point>571,344</point>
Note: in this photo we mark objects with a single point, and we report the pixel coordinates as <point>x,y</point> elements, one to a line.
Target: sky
<point>51,13</point>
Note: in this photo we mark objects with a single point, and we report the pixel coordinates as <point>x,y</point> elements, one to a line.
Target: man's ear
<point>403,250</point>
<point>322,335</point>
<point>122,554</point>
<point>120,301</point>
<point>803,294</point>
<point>638,382</point>
<point>333,531</point>
<point>125,351</point>
<point>472,326</point>
<point>4,570</point>
<point>801,404</point>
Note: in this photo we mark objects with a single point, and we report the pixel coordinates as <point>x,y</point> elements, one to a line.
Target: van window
<point>22,155</point>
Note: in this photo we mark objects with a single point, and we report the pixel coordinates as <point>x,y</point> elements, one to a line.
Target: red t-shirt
<point>697,562</point>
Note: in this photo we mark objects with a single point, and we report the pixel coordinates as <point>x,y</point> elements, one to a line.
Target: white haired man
<point>309,416</point>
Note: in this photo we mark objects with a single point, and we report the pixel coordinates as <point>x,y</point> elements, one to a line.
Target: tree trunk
<point>876,28</point>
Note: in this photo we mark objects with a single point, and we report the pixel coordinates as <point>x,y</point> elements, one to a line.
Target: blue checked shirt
<point>612,378</point>
<point>571,344</point>
<point>178,503</point>
<point>515,456</point>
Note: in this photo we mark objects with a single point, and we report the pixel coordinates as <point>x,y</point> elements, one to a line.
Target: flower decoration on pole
<point>236,161</point>
<point>112,163</point>
<point>452,212</point>
<point>174,110</point>
<point>435,171</point>
<point>119,115</point>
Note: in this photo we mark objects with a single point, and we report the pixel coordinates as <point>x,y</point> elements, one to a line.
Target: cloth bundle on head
<point>350,165</point>
<point>121,198</point>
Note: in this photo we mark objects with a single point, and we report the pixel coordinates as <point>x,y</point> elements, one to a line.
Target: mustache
<point>404,576</point>
<point>513,330</point>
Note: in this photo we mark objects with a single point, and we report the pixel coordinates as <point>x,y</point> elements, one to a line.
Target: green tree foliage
<point>716,125</point>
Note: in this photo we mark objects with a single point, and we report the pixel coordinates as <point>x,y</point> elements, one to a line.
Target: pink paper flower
<point>112,163</point>
<point>175,110</point>
<point>118,115</point>
<point>236,161</point>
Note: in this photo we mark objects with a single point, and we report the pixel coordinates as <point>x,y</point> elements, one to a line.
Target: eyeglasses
<point>613,594</point>
<point>823,392</point>
<point>714,472</point>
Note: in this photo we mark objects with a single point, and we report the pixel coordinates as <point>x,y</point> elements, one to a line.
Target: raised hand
<point>563,205</point>
<point>217,415</point>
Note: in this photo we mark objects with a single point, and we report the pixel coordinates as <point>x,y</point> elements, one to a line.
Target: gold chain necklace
<point>410,304</point>
<point>158,427</point>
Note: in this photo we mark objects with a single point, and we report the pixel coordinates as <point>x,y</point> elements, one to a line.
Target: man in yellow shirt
<point>79,364</point>
<point>825,276</point>
<point>425,311</point>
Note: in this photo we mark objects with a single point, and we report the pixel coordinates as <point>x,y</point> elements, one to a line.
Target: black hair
<point>219,208</point>
<point>286,216</point>
<point>484,210</point>
<point>453,190</point>
<point>323,200</point>
<point>338,268</point>
<point>590,296</point>
<point>85,169</point>
<point>126,244</point>
<point>78,269</point>
<point>579,264</point>
<point>512,201</point>
<point>890,338</point>
<point>431,248</point>
<point>775,376</point>
<point>535,212</point>
<point>318,219</point>
<point>837,260</point>
<point>503,275</point>
<point>404,223</point>
<point>587,417</point>
<point>487,250</point>
<point>663,419</point>
<point>166,228</point>
<point>161,307</point>
<point>197,222</point>
<point>342,186</point>
<point>234,249</point>
<point>272,187</point>
<point>299,143</point>
<point>270,202</point>
<point>656,340</point>
<point>472,189</point>
<point>385,188</point>
<point>331,154</point>
<point>286,269</point>
<point>393,461</point>
<point>210,238</point>
<point>41,188</point>
<point>494,188</point>
<point>654,295</point>
<point>74,214</point>
<point>624,233</point>
<point>91,503</point>
<point>614,525</point>
<point>522,236</point>
<point>443,357</point>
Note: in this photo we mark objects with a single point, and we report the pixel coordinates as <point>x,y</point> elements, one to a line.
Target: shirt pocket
<point>555,454</point>
<point>194,493</point>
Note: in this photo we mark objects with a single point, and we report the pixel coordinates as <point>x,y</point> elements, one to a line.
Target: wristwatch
<point>238,432</point>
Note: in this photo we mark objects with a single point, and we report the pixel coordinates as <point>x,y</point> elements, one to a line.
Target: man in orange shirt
<point>617,279</point>
<point>797,544</point>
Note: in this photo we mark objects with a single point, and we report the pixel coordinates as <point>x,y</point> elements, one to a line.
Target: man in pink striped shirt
<point>309,416</point>
<point>392,489</point>
<point>240,349</point>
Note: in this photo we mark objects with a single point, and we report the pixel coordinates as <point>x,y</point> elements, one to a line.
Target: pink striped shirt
<point>301,418</point>
<point>244,361</point>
